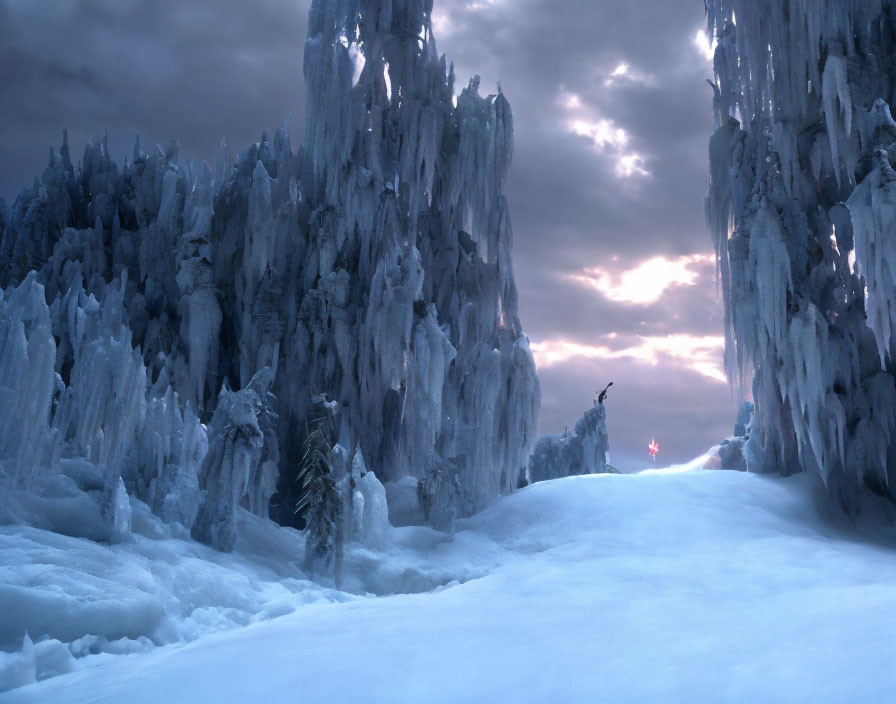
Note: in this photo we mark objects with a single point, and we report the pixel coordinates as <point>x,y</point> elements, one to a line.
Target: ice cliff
<point>801,207</point>
<point>164,324</point>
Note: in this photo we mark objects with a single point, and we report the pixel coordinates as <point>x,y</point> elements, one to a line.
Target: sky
<point>612,116</point>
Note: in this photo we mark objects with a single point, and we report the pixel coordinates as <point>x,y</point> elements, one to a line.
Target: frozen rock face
<point>585,451</point>
<point>801,210</point>
<point>374,266</point>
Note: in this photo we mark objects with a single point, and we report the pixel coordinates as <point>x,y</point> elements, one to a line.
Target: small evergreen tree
<point>319,503</point>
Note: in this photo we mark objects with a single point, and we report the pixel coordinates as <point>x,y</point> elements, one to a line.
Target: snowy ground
<point>690,586</point>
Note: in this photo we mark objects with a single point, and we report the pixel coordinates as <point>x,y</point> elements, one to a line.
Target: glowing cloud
<point>442,24</point>
<point>630,164</point>
<point>648,281</point>
<point>620,70</point>
<point>624,73</point>
<point>699,353</point>
<point>704,45</point>
<point>603,133</point>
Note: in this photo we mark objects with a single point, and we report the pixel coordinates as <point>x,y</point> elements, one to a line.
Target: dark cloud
<point>166,69</point>
<point>197,70</point>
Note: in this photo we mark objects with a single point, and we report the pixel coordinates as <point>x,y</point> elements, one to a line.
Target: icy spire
<point>409,193</point>
<point>801,181</point>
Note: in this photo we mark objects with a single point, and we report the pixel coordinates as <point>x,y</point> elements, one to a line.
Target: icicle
<point>823,381</point>
<point>374,265</point>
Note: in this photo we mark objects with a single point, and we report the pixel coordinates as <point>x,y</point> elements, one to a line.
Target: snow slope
<point>675,585</point>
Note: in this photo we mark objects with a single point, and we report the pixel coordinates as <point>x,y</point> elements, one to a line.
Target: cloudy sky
<point>612,117</point>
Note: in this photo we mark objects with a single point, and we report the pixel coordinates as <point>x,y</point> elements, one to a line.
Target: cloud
<point>610,179</point>
<point>608,138</point>
<point>645,283</point>
<point>702,354</point>
<point>190,70</point>
<point>704,45</point>
<point>620,70</point>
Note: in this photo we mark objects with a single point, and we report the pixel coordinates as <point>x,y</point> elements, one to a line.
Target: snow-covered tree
<point>801,209</point>
<point>320,505</point>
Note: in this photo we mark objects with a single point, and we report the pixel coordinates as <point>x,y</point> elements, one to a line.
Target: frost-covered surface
<point>801,209</point>
<point>159,587</point>
<point>668,586</point>
<point>164,326</point>
<point>82,602</point>
<point>584,451</point>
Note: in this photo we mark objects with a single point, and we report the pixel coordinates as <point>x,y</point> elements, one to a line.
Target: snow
<point>676,585</point>
<point>159,588</point>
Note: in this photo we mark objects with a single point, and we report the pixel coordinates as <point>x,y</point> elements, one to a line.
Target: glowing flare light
<point>654,447</point>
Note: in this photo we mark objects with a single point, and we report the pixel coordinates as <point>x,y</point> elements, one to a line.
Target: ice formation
<point>141,302</point>
<point>729,454</point>
<point>233,467</point>
<point>801,204</point>
<point>584,451</point>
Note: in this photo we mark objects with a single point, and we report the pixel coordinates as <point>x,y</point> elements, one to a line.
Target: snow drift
<point>671,586</point>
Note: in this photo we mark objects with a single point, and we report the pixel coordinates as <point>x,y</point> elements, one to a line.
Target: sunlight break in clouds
<point>442,25</point>
<point>620,70</point>
<point>603,133</point>
<point>699,353</point>
<point>624,73</point>
<point>647,282</point>
<point>704,45</point>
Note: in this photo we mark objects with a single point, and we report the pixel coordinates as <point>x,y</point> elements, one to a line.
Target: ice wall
<point>801,210</point>
<point>373,265</point>
<point>412,252</point>
<point>77,442</point>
